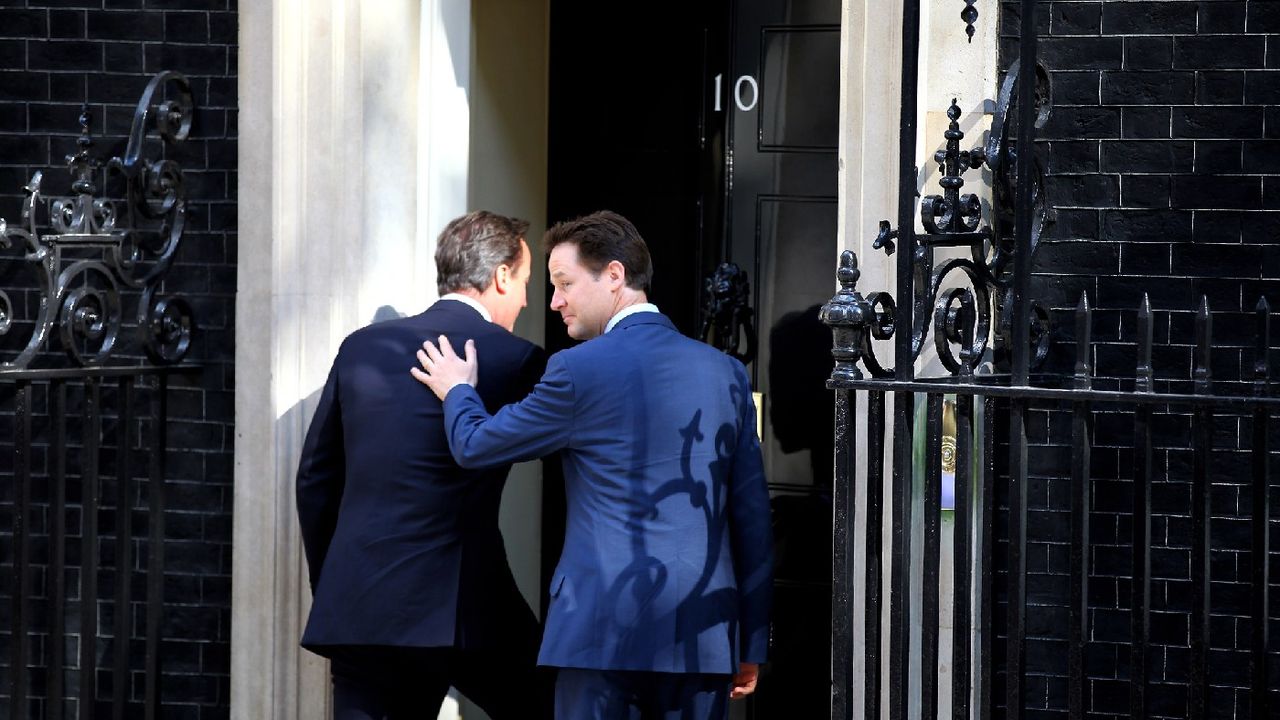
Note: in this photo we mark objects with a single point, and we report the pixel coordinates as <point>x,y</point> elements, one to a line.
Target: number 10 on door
<point>741,94</point>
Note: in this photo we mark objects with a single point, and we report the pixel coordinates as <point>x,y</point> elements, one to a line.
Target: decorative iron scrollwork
<point>1001,154</point>
<point>727,314</point>
<point>90,251</point>
<point>964,321</point>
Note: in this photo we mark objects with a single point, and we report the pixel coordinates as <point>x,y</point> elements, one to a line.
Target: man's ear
<point>502,278</point>
<point>617,274</point>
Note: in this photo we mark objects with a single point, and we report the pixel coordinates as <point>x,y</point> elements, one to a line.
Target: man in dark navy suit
<point>660,603</point>
<point>413,593</point>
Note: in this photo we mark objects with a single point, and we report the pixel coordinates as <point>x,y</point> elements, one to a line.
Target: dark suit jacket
<point>402,544</point>
<point>668,554</point>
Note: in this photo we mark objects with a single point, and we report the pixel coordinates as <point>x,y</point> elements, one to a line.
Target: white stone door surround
<point>354,144</point>
<point>345,167</point>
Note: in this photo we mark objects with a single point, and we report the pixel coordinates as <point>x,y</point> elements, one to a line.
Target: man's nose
<point>557,302</point>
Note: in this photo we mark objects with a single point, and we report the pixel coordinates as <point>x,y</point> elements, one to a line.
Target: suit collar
<point>643,318</point>
<point>468,302</point>
<point>644,307</point>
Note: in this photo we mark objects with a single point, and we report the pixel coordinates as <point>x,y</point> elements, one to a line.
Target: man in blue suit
<point>660,603</point>
<point>413,593</point>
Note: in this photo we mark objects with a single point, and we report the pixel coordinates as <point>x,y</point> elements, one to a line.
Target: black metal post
<point>847,314</point>
<point>900,590</point>
<point>89,550</point>
<point>842,557</point>
<point>124,549</point>
<point>1081,447</point>
<point>1015,667</point>
<point>155,544</point>
<point>1260,451</point>
<point>986,572</point>
<point>20,642</point>
<point>874,550</point>
<point>929,618</point>
<point>1142,476</point>
<point>1021,338</point>
<point>1201,573</point>
<point>932,551</point>
<point>57,549</point>
<point>904,369</point>
<point>961,645</point>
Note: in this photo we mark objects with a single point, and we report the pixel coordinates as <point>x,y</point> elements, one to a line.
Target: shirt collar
<point>630,310</point>
<point>468,300</point>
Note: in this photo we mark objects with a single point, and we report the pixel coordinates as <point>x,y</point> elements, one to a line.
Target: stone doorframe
<point>353,145</point>
<point>343,168</point>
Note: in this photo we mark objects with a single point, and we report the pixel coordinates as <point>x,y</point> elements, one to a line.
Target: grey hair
<point>471,248</point>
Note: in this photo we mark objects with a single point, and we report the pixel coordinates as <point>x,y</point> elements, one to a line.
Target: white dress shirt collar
<point>630,310</point>
<point>468,300</point>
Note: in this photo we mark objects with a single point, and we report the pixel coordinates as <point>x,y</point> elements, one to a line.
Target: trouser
<point>397,683</point>
<point>631,695</point>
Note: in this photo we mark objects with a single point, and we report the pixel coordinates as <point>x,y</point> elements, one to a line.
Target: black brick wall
<point>1162,152</point>
<point>54,56</point>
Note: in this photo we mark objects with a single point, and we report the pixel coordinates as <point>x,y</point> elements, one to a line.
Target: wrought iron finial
<point>847,314</point>
<point>970,16</point>
<point>951,214</point>
<point>80,291</point>
<point>727,313</point>
<point>1204,346</point>
<point>1261,357</point>
<point>848,272</point>
<point>82,166</point>
<point>1084,336</point>
<point>1143,379</point>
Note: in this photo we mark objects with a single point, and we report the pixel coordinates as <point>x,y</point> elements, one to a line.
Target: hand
<point>744,682</point>
<point>442,369</point>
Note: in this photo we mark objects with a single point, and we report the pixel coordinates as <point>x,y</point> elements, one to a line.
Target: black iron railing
<point>994,320</point>
<point>61,442</point>
<point>81,429</point>
<point>1211,405</point>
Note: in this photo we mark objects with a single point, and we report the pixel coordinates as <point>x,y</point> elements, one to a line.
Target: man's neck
<point>639,303</point>
<point>627,298</point>
<point>479,297</point>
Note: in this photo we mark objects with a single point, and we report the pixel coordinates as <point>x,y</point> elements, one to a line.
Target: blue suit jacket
<point>667,562</point>
<point>403,545</point>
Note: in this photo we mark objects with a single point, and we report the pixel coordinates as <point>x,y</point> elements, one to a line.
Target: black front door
<point>782,95</point>
<point>713,127</point>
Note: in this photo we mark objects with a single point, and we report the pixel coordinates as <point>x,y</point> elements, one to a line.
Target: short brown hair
<point>602,237</point>
<point>471,248</point>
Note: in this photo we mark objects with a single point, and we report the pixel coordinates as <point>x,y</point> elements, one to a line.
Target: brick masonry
<point>54,56</point>
<point>1162,155</point>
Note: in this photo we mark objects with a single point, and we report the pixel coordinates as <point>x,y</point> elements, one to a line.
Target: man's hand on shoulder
<point>442,369</point>
<point>744,681</point>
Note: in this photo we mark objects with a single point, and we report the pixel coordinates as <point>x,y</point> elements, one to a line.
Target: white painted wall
<point>353,126</point>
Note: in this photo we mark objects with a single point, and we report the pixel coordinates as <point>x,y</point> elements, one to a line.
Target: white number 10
<point>737,93</point>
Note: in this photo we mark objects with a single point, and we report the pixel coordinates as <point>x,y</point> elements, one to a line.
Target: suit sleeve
<point>536,426</point>
<point>751,532</point>
<point>321,478</point>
